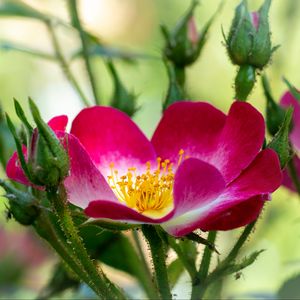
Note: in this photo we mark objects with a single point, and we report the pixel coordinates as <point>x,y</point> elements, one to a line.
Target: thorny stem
<point>158,253</point>
<point>198,288</point>
<point>294,176</point>
<point>105,289</point>
<point>65,65</point>
<point>85,52</point>
<point>150,289</point>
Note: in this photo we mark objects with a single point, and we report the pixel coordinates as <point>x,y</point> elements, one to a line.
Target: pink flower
<point>201,169</point>
<point>255,19</point>
<point>289,100</point>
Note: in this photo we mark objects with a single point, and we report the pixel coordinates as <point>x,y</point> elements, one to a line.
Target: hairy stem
<point>158,253</point>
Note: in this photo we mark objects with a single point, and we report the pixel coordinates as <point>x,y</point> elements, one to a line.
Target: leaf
<point>290,289</point>
<point>175,269</point>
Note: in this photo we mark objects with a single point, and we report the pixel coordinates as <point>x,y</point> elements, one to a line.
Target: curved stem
<point>64,64</point>
<point>105,289</point>
<point>158,253</point>
<point>77,24</point>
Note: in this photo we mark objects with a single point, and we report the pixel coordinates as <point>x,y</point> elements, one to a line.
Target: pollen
<point>151,191</point>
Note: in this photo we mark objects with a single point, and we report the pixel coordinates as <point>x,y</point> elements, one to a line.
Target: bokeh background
<point>134,25</point>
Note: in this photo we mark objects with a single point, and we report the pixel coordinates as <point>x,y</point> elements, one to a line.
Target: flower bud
<point>184,43</point>
<point>48,162</point>
<point>22,206</point>
<point>249,39</point>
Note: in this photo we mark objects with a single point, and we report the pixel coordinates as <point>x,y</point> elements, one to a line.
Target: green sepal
<point>20,113</point>
<point>292,89</point>
<point>200,240</point>
<point>122,99</point>
<point>19,147</point>
<point>280,142</point>
<point>274,113</point>
<point>244,82</point>
<point>48,160</point>
<point>23,206</point>
<point>175,269</point>
<point>262,50</point>
<point>175,92</point>
<point>239,40</point>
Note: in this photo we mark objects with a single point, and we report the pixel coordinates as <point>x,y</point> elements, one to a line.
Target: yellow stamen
<point>148,192</point>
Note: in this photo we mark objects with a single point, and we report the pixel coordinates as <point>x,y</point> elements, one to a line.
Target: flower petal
<point>14,170</point>
<point>85,183</point>
<point>109,136</point>
<point>58,123</point>
<point>192,126</point>
<point>240,141</point>
<point>262,177</point>
<point>289,100</point>
<point>103,209</point>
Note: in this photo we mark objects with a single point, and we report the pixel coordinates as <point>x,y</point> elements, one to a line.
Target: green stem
<point>149,287</point>
<point>240,242</point>
<point>84,43</point>
<point>180,76</point>
<point>45,230</point>
<point>191,269</point>
<point>158,253</point>
<point>57,196</point>
<point>64,64</point>
<point>294,176</point>
<point>198,288</point>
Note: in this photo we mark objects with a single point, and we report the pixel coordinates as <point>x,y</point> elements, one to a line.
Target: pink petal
<point>240,141</point>
<point>192,126</point>
<point>85,183</point>
<point>262,177</point>
<point>58,123</point>
<point>196,184</point>
<point>117,211</point>
<point>14,170</point>
<point>236,216</point>
<point>289,100</point>
<point>109,135</point>
<point>255,19</point>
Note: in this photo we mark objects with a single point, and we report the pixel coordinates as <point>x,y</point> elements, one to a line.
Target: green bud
<point>122,99</point>
<point>244,82</point>
<point>274,113</point>
<point>249,38</point>
<point>48,162</point>
<point>239,40</point>
<point>184,43</point>
<point>22,205</point>
<point>280,142</point>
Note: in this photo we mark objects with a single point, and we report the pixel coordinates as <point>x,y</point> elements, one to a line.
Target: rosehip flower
<point>289,100</point>
<point>201,169</point>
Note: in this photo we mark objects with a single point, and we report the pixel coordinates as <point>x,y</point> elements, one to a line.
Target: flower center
<point>150,192</point>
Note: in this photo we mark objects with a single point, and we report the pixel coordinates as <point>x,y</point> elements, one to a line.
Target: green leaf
<point>280,142</point>
<point>292,89</point>
<point>110,225</point>
<point>175,269</point>
<point>290,289</point>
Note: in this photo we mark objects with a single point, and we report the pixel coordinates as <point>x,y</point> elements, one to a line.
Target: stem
<point>76,22</point>
<point>294,176</point>
<point>45,229</point>
<point>240,242</point>
<point>180,76</point>
<point>198,288</point>
<point>191,269</point>
<point>158,253</point>
<point>64,64</point>
<point>149,287</point>
<point>105,289</point>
